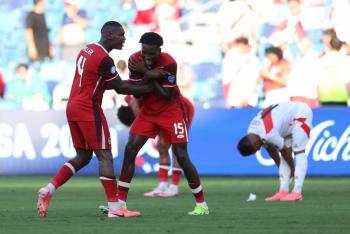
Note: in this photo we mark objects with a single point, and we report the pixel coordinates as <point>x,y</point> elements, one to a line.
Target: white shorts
<point>302,125</point>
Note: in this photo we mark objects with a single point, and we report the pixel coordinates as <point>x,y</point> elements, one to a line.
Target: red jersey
<point>154,103</point>
<point>94,68</point>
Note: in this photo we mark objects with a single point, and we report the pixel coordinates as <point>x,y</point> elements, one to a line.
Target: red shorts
<point>90,135</point>
<point>171,124</point>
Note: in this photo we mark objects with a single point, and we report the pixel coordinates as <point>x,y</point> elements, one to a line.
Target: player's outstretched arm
<point>167,93</point>
<point>123,87</point>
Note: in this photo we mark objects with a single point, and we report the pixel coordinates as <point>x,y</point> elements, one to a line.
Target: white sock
<point>51,187</point>
<point>201,204</point>
<point>113,205</point>
<point>284,172</point>
<point>163,185</point>
<point>300,172</point>
<point>173,186</point>
<point>121,202</point>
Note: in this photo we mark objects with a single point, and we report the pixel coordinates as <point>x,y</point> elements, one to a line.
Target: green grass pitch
<point>325,208</point>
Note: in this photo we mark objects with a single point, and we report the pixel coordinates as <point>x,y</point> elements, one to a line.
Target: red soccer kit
<point>157,114</point>
<point>87,123</point>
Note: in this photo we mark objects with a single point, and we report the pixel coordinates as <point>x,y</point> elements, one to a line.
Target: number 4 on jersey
<point>80,67</point>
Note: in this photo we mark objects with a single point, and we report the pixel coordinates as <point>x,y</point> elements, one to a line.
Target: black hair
<point>275,50</point>
<point>126,115</point>
<point>151,38</point>
<point>245,147</point>
<point>110,24</point>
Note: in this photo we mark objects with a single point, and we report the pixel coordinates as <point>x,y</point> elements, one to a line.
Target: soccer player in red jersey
<point>164,189</point>
<point>126,115</point>
<point>95,72</point>
<point>159,115</point>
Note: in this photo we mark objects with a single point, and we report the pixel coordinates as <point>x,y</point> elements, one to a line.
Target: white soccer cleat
<point>155,192</point>
<point>172,191</point>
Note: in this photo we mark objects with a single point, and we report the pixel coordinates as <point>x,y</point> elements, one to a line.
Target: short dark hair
<point>245,147</point>
<point>336,43</point>
<point>151,38</point>
<point>275,50</point>
<point>126,115</point>
<point>110,24</point>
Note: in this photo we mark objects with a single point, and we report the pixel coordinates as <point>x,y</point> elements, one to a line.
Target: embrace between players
<point>153,76</point>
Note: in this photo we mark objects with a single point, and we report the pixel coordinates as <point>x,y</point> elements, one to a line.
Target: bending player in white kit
<point>282,128</point>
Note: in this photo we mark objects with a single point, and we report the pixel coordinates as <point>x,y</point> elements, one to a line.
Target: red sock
<point>197,191</point>
<point>110,187</point>
<point>64,174</point>
<point>175,179</point>
<point>163,173</point>
<point>123,190</point>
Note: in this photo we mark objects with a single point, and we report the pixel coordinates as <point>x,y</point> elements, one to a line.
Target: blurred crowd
<point>230,53</point>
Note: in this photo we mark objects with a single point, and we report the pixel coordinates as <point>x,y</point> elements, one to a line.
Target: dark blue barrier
<point>39,143</point>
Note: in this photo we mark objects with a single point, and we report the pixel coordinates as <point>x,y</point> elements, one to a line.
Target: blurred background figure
<point>275,74</point>
<point>241,70</point>
<point>37,33</point>
<point>71,35</point>
<point>28,90</point>
<point>2,86</point>
<point>305,74</point>
<point>334,85</point>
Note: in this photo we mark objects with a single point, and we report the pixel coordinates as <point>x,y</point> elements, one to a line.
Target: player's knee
<point>81,161</point>
<point>131,151</point>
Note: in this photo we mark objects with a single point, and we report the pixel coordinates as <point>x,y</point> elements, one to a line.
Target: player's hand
<point>157,73</point>
<point>135,66</point>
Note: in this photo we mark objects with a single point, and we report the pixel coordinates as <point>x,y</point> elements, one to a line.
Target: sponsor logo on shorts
<point>171,79</point>
<point>180,136</point>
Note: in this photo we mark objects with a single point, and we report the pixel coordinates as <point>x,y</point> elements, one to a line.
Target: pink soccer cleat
<point>44,199</point>
<point>122,212</point>
<point>277,197</point>
<point>294,196</point>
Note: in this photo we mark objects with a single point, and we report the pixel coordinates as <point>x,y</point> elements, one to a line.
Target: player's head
<point>112,35</point>
<point>150,47</point>
<point>126,115</point>
<point>249,144</point>
<point>274,54</point>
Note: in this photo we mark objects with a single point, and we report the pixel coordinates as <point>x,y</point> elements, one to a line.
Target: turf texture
<point>325,208</point>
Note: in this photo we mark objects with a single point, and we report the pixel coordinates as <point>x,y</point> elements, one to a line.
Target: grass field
<point>325,208</point>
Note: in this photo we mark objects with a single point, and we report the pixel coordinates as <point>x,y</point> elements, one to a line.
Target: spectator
<point>28,90</point>
<point>304,75</point>
<point>327,36</point>
<point>2,86</point>
<point>241,69</point>
<point>335,79</point>
<point>37,33</point>
<point>239,18</point>
<point>71,35</point>
<point>275,74</point>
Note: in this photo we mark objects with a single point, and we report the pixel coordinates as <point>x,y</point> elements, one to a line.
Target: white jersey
<point>277,123</point>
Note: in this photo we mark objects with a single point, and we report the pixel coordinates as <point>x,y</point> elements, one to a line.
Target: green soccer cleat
<point>199,210</point>
<point>104,209</point>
